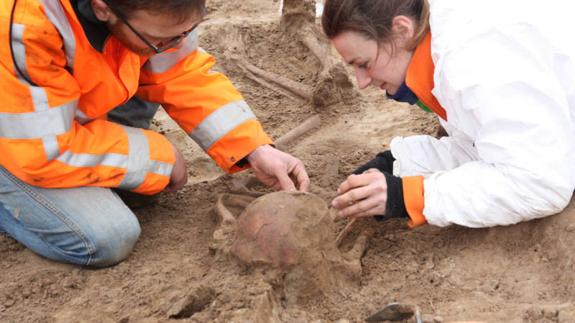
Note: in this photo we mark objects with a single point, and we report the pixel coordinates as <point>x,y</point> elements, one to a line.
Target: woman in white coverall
<point>500,75</point>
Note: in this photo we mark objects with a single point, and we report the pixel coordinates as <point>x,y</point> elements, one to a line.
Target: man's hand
<point>362,195</point>
<point>278,170</point>
<point>179,176</point>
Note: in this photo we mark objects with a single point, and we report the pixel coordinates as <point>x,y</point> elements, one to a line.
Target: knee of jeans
<point>114,246</point>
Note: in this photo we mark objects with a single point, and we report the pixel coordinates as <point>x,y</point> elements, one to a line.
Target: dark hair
<point>179,9</point>
<point>373,18</point>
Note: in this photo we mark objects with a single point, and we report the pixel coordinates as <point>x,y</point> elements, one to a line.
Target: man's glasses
<point>159,47</point>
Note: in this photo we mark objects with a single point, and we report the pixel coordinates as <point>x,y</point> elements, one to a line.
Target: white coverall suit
<point>505,75</point>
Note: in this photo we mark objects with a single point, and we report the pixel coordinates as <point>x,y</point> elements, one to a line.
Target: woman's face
<point>373,65</point>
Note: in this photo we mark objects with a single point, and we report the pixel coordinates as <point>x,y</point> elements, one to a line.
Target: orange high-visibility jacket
<point>54,132</point>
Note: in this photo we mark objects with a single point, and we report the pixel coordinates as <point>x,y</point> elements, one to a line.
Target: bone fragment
<point>225,200</point>
<point>262,76</point>
<point>309,124</point>
<point>346,230</point>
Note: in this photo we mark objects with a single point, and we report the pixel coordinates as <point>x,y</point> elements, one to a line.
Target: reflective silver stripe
<point>111,160</point>
<point>221,122</point>
<point>19,49</point>
<point>55,12</point>
<point>138,159</point>
<point>161,168</point>
<point>162,62</point>
<point>51,147</point>
<point>137,163</point>
<point>52,122</point>
<point>81,117</point>
<point>40,98</point>
<point>91,160</point>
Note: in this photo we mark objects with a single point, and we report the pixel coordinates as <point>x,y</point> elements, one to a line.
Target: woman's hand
<point>362,195</point>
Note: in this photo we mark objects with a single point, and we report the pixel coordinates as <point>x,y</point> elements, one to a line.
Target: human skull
<point>292,232</point>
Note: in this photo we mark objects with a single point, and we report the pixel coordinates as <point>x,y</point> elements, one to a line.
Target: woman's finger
<point>351,197</point>
<point>374,205</point>
<point>354,181</point>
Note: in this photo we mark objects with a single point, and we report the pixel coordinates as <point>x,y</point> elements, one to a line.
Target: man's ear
<point>403,29</point>
<point>101,10</point>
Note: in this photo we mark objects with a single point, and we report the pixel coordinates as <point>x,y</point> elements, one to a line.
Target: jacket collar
<point>404,94</point>
<point>419,78</point>
<point>95,30</point>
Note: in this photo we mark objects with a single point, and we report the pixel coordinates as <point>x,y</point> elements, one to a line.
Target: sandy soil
<point>524,273</point>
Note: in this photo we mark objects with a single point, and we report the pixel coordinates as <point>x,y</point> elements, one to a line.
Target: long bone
<point>298,20</point>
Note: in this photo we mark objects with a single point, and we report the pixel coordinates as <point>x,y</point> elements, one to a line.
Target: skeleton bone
<point>298,18</point>
<point>278,83</point>
<point>346,230</point>
<point>304,127</point>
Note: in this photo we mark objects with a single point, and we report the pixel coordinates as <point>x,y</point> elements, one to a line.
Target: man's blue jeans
<point>88,226</point>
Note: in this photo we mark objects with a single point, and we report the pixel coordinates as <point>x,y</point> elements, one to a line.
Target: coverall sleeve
<point>41,143</point>
<point>504,92</point>
<point>204,103</point>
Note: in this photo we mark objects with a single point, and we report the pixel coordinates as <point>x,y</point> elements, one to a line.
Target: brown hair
<point>179,9</point>
<point>373,18</point>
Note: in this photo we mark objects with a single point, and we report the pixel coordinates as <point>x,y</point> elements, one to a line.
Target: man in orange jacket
<point>64,66</point>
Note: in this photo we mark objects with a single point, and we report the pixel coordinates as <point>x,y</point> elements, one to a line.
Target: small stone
<point>9,303</point>
<point>196,302</point>
<point>429,318</point>
<point>570,228</point>
<point>438,319</point>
